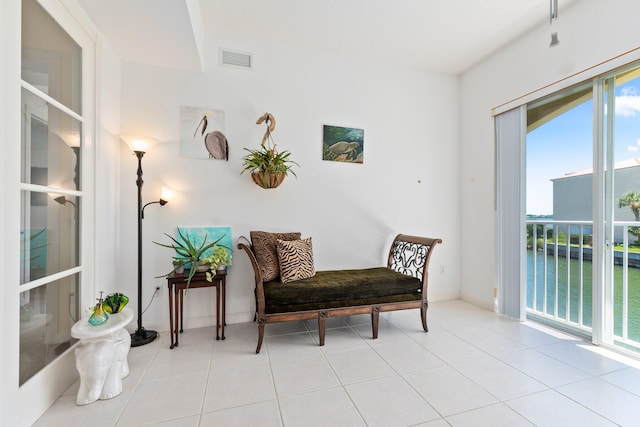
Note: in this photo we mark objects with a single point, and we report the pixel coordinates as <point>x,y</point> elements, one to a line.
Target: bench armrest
<point>410,255</point>
<point>245,244</point>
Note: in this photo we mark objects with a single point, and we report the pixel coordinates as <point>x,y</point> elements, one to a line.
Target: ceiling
<point>446,36</point>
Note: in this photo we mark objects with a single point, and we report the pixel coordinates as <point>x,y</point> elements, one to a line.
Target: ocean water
<point>568,300</point>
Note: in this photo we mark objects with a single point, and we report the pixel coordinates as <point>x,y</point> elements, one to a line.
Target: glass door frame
<point>22,405</point>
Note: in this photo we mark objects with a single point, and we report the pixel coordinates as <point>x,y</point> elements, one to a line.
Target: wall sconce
<point>140,145</point>
<point>63,201</point>
<point>72,138</point>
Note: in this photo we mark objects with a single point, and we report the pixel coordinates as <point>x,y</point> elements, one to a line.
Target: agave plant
<point>188,251</point>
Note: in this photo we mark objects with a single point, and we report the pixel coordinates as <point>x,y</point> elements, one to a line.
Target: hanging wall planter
<point>268,180</point>
<point>268,166</point>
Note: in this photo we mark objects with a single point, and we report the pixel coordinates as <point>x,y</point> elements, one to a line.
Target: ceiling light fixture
<point>553,10</point>
<point>553,15</point>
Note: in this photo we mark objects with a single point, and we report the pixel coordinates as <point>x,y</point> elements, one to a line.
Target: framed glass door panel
<point>559,208</point>
<point>621,141</point>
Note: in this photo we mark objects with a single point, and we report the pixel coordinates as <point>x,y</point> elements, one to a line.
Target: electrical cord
<point>71,315</point>
<point>152,297</point>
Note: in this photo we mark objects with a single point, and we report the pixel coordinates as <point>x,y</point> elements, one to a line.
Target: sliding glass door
<point>619,133</point>
<point>583,209</point>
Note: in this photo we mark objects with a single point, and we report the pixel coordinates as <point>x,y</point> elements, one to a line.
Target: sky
<point>565,144</point>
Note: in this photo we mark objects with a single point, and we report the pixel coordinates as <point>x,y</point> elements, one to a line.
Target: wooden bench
<point>401,285</point>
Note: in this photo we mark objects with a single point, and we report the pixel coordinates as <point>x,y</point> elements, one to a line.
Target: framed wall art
<point>202,133</point>
<point>198,235</point>
<point>342,144</point>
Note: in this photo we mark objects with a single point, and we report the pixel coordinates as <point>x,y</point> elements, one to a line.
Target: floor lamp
<point>139,146</point>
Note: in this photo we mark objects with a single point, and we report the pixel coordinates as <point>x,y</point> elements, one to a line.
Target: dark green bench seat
<point>401,285</point>
<point>341,288</point>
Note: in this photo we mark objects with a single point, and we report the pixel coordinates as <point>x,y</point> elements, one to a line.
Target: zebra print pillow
<point>296,259</point>
<point>264,246</point>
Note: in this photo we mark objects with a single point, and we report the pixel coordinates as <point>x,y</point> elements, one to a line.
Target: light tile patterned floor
<point>472,369</point>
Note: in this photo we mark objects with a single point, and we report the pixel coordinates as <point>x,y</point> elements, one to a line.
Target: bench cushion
<point>341,288</point>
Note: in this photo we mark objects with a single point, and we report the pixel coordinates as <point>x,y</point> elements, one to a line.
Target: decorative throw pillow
<point>296,259</point>
<point>264,246</point>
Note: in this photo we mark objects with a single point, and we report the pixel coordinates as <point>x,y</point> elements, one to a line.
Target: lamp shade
<point>71,137</point>
<point>138,142</point>
<point>167,194</point>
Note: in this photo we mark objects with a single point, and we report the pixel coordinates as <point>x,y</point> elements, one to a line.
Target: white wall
<point>590,32</point>
<point>407,184</point>
<point>107,180</point>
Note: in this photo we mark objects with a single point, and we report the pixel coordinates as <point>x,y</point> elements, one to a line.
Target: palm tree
<point>632,199</point>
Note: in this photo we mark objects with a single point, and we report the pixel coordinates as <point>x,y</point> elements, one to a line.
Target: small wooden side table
<point>177,284</point>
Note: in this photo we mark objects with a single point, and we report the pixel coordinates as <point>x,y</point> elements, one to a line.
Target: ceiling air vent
<point>236,59</point>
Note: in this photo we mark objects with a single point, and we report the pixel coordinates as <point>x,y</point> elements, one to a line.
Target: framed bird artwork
<point>202,133</point>
<point>341,144</point>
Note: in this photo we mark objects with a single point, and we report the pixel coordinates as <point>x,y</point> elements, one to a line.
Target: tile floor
<point>472,369</point>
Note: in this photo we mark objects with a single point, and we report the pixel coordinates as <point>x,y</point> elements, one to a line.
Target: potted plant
<point>189,253</point>
<point>218,261</point>
<point>178,265</point>
<point>267,165</point>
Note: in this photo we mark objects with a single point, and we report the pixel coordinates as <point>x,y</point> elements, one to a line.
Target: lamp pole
<point>141,336</point>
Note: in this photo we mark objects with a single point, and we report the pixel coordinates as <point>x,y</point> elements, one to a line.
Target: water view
<point>572,302</point>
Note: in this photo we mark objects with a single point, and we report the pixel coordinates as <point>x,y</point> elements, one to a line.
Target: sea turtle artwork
<point>347,150</point>
<point>215,142</point>
<point>340,144</point>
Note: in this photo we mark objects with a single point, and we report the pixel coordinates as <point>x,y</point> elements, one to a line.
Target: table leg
<point>224,303</point>
<point>181,311</point>
<point>217,283</point>
<point>171,329</point>
<point>176,294</point>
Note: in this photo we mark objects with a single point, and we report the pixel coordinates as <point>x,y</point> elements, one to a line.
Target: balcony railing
<point>559,278</point>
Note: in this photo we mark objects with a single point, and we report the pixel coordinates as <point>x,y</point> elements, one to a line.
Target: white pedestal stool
<point>101,356</point>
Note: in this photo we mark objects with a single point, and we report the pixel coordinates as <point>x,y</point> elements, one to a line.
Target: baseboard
<point>197,322</point>
<point>445,296</point>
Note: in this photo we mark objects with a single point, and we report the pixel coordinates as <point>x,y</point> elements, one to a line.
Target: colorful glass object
<point>99,316</point>
<point>114,303</point>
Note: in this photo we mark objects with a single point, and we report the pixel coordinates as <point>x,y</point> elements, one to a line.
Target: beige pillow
<point>264,246</point>
<point>296,259</point>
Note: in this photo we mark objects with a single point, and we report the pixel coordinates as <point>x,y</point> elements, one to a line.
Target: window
<point>51,189</point>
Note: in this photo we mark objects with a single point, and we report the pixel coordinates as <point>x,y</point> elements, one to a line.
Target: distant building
<point>572,194</point>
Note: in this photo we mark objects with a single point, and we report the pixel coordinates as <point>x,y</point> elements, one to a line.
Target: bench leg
<point>260,334</point>
<point>375,320</point>
<point>322,325</point>
<point>423,314</point>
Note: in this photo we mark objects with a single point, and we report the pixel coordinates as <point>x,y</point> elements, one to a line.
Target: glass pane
<point>48,234</point>
<point>46,316</point>
<point>50,145</point>
<point>51,60</point>
<point>622,122</point>
<point>559,175</point>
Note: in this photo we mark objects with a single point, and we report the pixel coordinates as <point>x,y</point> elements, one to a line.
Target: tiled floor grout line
<point>555,358</point>
<point>135,388</point>
<point>206,385</point>
<point>273,381</point>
